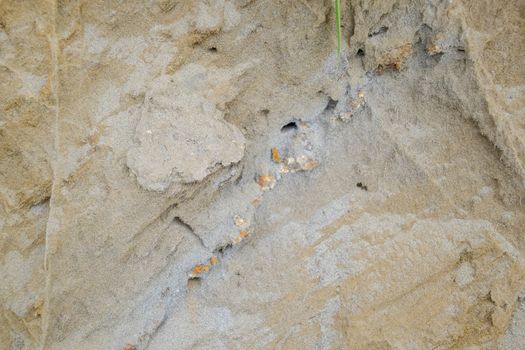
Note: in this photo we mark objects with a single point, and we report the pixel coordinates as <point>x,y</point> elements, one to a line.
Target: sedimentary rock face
<point>214,175</point>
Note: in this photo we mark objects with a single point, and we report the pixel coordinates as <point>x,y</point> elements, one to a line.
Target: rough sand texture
<point>211,175</point>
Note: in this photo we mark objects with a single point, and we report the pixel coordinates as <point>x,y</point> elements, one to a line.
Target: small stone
<point>306,163</point>
<point>239,221</point>
<point>434,49</point>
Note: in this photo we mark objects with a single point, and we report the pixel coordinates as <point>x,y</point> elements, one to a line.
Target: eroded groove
<point>190,229</point>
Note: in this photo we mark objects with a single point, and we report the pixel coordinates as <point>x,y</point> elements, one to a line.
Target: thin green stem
<point>338,24</point>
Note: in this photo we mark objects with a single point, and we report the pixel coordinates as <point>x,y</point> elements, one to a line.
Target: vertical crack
<point>51,224</point>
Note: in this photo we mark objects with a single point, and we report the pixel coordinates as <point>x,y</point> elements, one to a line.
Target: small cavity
<point>331,104</point>
<point>381,30</point>
<point>212,49</point>
<point>289,127</point>
<point>360,53</point>
<point>222,249</point>
<point>361,186</point>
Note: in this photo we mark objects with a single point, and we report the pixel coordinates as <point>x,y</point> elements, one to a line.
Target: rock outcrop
<point>213,175</point>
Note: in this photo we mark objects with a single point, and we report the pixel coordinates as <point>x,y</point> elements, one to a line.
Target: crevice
<point>381,30</point>
<point>153,224</point>
<point>181,222</point>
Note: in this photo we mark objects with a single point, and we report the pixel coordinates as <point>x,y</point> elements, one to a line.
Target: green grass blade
<point>338,24</point>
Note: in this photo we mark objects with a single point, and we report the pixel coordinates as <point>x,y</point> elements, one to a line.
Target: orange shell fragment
<point>213,260</point>
<point>275,155</point>
<point>242,235</point>
<point>199,270</point>
<point>266,181</point>
<point>129,347</point>
<point>263,180</point>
